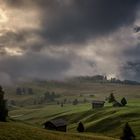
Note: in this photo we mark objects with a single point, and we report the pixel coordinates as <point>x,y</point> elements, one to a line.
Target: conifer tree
<point>3,109</point>
<point>111,98</point>
<point>80,127</point>
<point>127,133</point>
<point>123,101</point>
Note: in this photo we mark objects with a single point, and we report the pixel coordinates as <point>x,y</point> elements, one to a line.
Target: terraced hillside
<point>108,120</point>
<point>71,90</point>
<point>16,131</point>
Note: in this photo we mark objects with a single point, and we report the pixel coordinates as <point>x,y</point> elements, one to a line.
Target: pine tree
<point>3,109</point>
<point>62,104</point>
<point>127,133</point>
<point>123,101</point>
<point>30,91</point>
<point>80,127</point>
<point>19,91</point>
<point>111,98</point>
<point>75,102</point>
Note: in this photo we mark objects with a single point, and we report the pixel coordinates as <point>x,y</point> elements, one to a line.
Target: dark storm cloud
<point>49,32</point>
<point>76,21</point>
<point>34,66</point>
<point>137,29</point>
<point>131,69</point>
<point>88,18</point>
<point>133,53</point>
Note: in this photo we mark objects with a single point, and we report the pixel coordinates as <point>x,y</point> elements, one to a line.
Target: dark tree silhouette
<point>75,102</point>
<point>23,90</point>
<point>30,91</point>
<point>105,78</point>
<point>19,91</point>
<point>58,103</point>
<point>3,108</point>
<point>65,101</point>
<point>50,96</point>
<point>62,104</point>
<point>111,98</point>
<point>127,133</point>
<point>123,101</point>
<point>80,127</point>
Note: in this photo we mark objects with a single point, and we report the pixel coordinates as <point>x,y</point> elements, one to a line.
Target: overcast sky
<point>55,39</point>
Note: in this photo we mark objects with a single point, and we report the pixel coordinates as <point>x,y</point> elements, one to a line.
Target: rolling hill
<point>16,131</point>
<point>107,121</point>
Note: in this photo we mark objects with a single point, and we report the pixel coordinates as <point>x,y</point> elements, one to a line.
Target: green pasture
<point>16,131</point>
<point>108,120</point>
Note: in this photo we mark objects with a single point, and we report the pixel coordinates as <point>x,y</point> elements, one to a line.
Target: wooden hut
<point>98,104</point>
<point>117,104</point>
<point>57,125</point>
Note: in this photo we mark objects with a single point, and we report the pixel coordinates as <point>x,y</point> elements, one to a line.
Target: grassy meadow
<point>16,131</point>
<point>108,121</point>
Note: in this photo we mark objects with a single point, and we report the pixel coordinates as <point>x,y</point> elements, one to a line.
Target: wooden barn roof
<point>98,102</point>
<point>58,122</point>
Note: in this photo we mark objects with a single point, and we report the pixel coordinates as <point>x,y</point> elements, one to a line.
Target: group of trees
<point>64,101</point>
<point>23,91</point>
<point>125,82</point>
<point>127,134</point>
<point>50,96</point>
<point>112,99</point>
<point>95,78</point>
<point>3,106</point>
<point>73,102</point>
<point>47,97</point>
<point>104,79</point>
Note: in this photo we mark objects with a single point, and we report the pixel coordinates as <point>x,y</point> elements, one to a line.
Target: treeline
<point>47,97</point>
<point>126,82</point>
<point>96,78</point>
<point>24,91</point>
<point>103,79</point>
<point>37,99</point>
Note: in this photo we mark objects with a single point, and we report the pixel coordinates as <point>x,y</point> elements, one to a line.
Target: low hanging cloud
<point>34,66</point>
<point>54,39</point>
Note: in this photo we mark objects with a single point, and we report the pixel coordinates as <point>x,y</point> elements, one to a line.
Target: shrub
<point>80,127</point>
<point>127,133</point>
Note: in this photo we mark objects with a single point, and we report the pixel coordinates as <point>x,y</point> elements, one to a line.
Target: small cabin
<point>117,104</point>
<point>56,125</point>
<point>98,104</point>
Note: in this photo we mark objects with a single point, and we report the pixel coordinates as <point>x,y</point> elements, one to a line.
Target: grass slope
<point>108,120</point>
<point>71,90</point>
<point>16,131</point>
